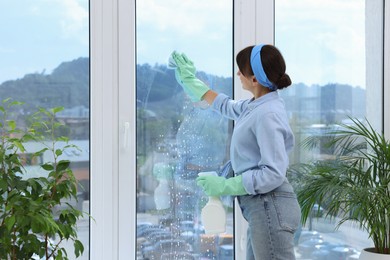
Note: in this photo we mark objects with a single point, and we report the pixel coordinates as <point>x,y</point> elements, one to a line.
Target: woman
<point>261,141</point>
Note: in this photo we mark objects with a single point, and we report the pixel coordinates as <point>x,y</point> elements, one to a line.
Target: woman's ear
<point>254,80</point>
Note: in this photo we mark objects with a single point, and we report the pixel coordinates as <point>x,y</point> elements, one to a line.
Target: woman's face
<point>247,82</point>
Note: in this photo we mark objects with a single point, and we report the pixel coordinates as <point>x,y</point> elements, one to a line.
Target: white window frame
<point>253,24</point>
<point>386,69</point>
<point>104,139</point>
<point>113,185</point>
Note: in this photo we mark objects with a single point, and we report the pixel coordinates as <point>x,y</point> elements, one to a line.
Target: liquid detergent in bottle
<point>162,195</point>
<point>213,214</point>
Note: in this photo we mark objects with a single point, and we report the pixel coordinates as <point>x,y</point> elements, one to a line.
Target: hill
<point>67,86</point>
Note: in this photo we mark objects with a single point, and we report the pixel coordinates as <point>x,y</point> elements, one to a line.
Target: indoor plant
<point>353,181</point>
<point>29,225</point>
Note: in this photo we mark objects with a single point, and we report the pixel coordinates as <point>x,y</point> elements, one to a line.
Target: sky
<point>200,28</point>
<point>37,35</point>
<point>323,41</point>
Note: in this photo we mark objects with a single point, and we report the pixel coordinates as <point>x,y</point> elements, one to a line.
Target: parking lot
<point>323,242</point>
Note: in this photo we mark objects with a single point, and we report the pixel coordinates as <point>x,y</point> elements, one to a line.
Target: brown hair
<point>272,61</point>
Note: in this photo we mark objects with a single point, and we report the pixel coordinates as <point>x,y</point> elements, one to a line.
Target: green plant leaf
<point>63,139</point>
<point>20,146</point>
<point>59,255</point>
<point>40,152</point>
<point>47,167</point>
<point>78,248</point>
<point>36,226</point>
<point>57,109</point>
<point>3,185</point>
<point>11,124</point>
<point>16,103</point>
<point>9,222</point>
<point>62,165</point>
<point>58,152</point>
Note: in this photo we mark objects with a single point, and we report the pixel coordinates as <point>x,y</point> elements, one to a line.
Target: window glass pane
<point>329,50</point>
<point>176,138</point>
<point>45,63</point>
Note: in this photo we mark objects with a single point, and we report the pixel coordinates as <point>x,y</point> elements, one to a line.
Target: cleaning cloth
<point>171,63</point>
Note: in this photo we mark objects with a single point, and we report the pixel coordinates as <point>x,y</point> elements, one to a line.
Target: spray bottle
<point>162,194</point>
<point>213,214</point>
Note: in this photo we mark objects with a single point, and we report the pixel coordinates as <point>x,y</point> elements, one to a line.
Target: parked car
<point>156,236</point>
<point>354,256</point>
<point>306,248</point>
<point>341,252</point>
<point>148,230</point>
<point>180,255</point>
<point>305,235</point>
<point>318,249</point>
<point>225,252</point>
<point>317,211</point>
<point>321,251</point>
<point>171,246</point>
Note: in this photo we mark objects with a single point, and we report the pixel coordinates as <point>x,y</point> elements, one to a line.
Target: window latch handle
<point>126,128</point>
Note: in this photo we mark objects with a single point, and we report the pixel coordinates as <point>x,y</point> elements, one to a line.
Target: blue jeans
<point>272,220</point>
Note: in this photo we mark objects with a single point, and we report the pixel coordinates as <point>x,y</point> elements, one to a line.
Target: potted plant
<point>30,227</point>
<point>352,183</point>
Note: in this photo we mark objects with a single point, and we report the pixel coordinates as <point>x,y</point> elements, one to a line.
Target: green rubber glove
<point>189,64</point>
<point>185,76</point>
<point>215,186</point>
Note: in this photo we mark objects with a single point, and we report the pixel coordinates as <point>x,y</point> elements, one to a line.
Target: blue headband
<point>258,70</point>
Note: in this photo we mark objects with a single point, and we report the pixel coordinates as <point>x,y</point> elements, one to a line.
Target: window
<point>176,138</point>
<point>333,52</point>
<point>119,54</point>
<point>45,63</point>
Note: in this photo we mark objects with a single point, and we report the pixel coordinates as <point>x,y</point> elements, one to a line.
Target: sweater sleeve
<point>227,107</point>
